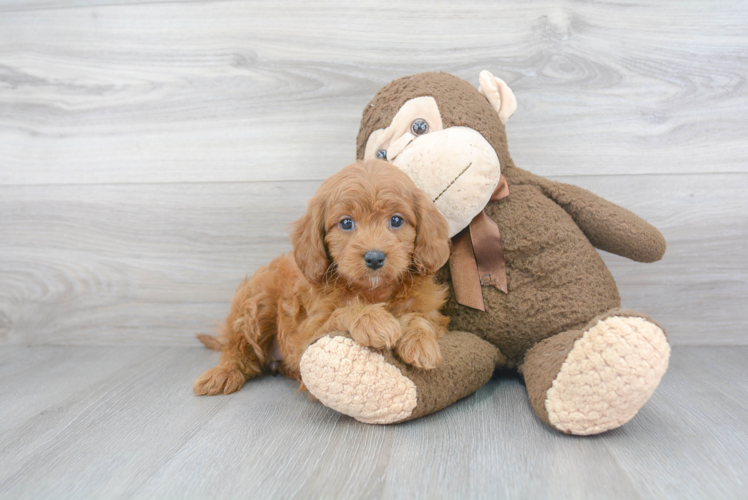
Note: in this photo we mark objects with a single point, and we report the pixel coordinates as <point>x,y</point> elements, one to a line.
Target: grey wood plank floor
<point>122,422</point>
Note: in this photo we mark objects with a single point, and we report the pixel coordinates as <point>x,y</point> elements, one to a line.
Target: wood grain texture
<point>158,263</point>
<point>137,431</point>
<point>698,289</point>
<point>92,92</point>
<point>696,433</point>
<point>152,153</point>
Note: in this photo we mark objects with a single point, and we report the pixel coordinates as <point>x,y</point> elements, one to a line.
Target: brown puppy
<point>363,261</point>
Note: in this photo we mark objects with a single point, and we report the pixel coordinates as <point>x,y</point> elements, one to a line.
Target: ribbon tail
<point>489,251</point>
<point>478,256</point>
<point>464,272</point>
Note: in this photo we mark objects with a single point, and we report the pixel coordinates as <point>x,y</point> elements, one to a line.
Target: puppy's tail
<point>211,342</point>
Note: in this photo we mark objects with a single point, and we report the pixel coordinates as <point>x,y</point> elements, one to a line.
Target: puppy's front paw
<point>218,380</point>
<point>376,327</point>
<point>419,348</point>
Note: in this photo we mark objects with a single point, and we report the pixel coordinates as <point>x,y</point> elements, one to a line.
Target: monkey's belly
<point>556,279</point>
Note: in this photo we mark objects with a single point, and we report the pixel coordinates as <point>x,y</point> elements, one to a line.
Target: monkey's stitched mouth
<point>453,181</point>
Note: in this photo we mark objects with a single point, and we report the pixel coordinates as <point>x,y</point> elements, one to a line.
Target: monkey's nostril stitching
<point>450,184</point>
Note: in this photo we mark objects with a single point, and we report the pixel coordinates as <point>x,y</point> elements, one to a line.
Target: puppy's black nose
<point>374,259</point>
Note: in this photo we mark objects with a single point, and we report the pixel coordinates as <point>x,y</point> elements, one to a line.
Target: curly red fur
<point>325,286</point>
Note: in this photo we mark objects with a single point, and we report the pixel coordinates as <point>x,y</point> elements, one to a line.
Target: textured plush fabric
<point>459,102</point>
<point>596,378</point>
<point>608,376</point>
<point>357,381</point>
<point>468,363</point>
<point>463,172</point>
<point>606,225</point>
<point>498,94</point>
<point>378,388</point>
<point>557,282</point>
<point>556,279</point>
<point>420,107</point>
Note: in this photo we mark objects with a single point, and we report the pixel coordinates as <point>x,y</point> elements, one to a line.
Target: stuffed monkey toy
<point>528,290</point>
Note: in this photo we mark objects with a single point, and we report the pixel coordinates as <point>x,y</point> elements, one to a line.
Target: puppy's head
<point>373,223</point>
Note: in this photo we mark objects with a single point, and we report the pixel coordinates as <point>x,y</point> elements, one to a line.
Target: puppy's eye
<point>346,224</point>
<point>419,127</point>
<point>382,154</point>
<point>396,221</point>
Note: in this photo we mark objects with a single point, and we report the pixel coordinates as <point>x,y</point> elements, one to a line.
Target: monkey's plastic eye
<point>419,127</point>
<point>346,224</point>
<point>382,154</point>
<point>396,221</point>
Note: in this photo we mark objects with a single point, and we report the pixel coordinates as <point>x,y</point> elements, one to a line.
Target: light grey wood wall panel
<point>152,153</point>
<point>158,263</point>
<point>267,90</point>
<point>699,289</point>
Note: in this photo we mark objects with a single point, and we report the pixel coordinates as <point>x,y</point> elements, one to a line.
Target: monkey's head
<point>446,135</point>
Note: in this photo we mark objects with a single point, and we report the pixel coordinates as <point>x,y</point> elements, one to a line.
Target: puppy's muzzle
<point>374,259</point>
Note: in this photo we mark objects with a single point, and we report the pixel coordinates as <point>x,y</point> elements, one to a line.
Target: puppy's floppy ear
<point>308,240</point>
<point>431,250</point>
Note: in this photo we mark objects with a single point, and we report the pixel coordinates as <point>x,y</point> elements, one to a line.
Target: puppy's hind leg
<point>242,356</point>
<point>238,364</point>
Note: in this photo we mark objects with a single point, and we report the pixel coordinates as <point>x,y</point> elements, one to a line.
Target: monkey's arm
<point>607,226</point>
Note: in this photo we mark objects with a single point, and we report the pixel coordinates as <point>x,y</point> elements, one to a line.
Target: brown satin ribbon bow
<point>478,256</point>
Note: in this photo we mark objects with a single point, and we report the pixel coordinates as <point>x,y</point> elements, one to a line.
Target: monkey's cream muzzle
<point>457,168</point>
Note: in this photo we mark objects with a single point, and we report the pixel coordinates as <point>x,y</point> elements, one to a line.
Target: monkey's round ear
<point>308,240</point>
<point>498,94</point>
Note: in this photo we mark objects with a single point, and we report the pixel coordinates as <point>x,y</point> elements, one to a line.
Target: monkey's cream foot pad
<point>357,381</point>
<point>610,373</point>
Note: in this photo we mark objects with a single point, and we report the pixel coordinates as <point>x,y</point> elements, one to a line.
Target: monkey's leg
<point>377,388</point>
<point>597,378</point>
